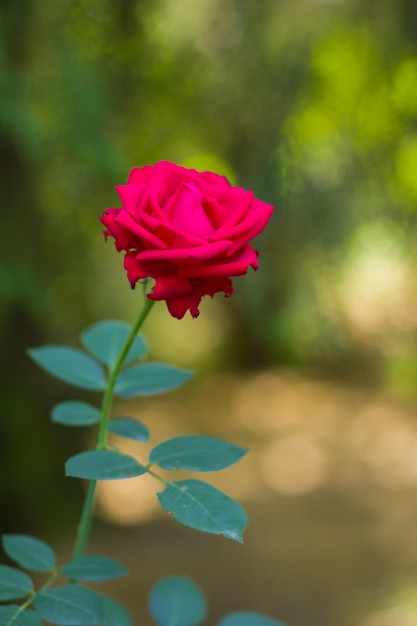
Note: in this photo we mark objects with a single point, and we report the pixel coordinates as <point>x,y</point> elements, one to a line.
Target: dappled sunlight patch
<point>265,404</point>
<point>401,609</point>
<point>386,441</point>
<point>397,616</point>
<point>293,465</point>
<point>375,283</point>
<point>128,501</point>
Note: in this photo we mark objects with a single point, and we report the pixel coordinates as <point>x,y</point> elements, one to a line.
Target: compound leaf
<point>70,605</point>
<point>74,413</point>
<point>93,568</point>
<point>203,507</point>
<point>29,552</point>
<point>70,365</point>
<point>105,340</point>
<point>103,465</point>
<point>14,584</point>
<point>129,428</point>
<point>196,452</point>
<point>149,379</point>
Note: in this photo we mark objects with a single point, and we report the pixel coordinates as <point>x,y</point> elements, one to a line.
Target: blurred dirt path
<point>330,485</point>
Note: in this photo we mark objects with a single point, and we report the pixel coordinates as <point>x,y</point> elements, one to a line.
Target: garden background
<point>312,364</point>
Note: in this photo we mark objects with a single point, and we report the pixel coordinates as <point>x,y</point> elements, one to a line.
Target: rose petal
<point>186,212</point>
<point>170,287</point>
<point>215,211</point>
<point>166,229</point>
<point>235,201</point>
<point>200,253</point>
<point>145,237</point>
<point>252,225</point>
<point>237,266</point>
<point>211,286</point>
<point>178,307</point>
<point>141,175</point>
<point>183,295</point>
<point>214,179</point>
<point>180,295</point>
<point>172,174</point>
<point>131,196</point>
<point>123,239</point>
<point>135,270</point>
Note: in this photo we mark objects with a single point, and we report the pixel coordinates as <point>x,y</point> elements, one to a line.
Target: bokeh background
<point>312,364</point>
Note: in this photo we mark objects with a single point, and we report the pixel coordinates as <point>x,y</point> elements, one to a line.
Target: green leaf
<point>26,618</point>
<point>129,428</point>
<point>70,365</point>
<point>196,453</point>
<point>150,378</point>
<point>14,584</point>
<point>177,601</point>
<point>93,568</point>
<point>103,465</point>
<point>74,413</point>
<point>70,605</point>
<point>248,618</point>
<point>29,552</point>
<point>105,340</point>
<point>203,507</point>
<point>114,613</point>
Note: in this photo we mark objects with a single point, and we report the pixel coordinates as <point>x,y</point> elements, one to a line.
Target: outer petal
<point>178,307</point>
<point>211,286</point>
<point>171,232</point>
<point>138,232</point>
<point>122,238</point>
<point>180,295</point>
<point>170,287</point>
<point>214,179</point>
<point>253,223</point>
<point>190,255</point>
<point>235,201</point>
<point>171,174</point>
<point>134,270</point>
<point>140,175</point>
<point>131,196</point>
<point>235,266</point>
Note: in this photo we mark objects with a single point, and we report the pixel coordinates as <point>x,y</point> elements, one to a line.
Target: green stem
<point>84,525</point>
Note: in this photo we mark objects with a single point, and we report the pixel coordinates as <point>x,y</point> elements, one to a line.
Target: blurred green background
<point>312,104</point>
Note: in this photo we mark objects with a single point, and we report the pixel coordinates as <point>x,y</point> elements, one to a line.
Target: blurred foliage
<point>310,103</point>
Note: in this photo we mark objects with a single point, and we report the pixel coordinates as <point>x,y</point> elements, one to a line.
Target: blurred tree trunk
<point>22,266</point>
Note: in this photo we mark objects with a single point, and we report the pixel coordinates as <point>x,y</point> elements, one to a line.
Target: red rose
<point>188,230</point>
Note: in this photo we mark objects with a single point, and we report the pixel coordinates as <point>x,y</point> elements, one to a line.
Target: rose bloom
<point>188,230</point>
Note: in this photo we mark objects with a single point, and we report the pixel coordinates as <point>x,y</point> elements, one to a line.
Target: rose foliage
<point>187,230</point>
